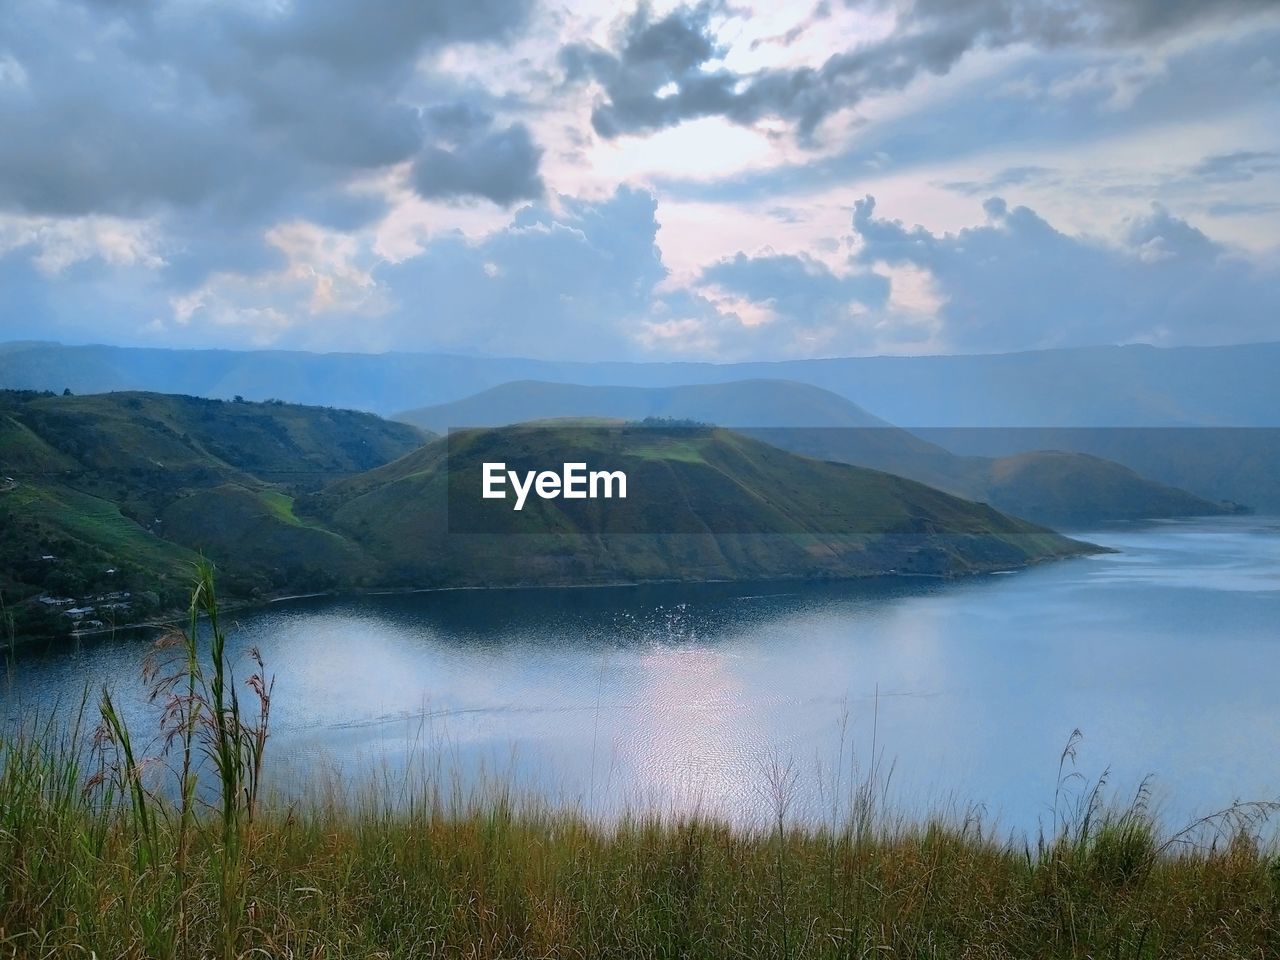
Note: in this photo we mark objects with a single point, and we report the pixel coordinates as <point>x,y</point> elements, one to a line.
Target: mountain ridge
<point>1132,385</point>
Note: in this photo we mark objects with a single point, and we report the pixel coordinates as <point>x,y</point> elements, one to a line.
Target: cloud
<point>308,175</point>
<point>574,282</point>
<point>1229,208</point>
<point>1236,167</point>
<point>800,294</point>
<point>1013,283</point>
<point>665,70</point>
<point>1076,141</point>
<point>249,112</point>
<point>1008,177</point>
<point>1016,282</point>
<point>476,158</point>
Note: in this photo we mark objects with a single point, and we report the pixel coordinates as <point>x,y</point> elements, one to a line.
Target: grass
<point>280,506</point>
<point>108,853</point>
<point>100,523</point>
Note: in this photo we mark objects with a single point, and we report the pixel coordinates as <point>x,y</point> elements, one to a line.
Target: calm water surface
<point>1166,655</point>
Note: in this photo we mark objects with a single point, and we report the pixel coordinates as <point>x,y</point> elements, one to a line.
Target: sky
<point>717,181</point>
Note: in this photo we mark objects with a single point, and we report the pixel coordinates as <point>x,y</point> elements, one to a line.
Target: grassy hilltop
<point>704,503</point>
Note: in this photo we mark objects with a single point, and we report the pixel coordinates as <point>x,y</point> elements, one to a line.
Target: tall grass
<point>108,853</point>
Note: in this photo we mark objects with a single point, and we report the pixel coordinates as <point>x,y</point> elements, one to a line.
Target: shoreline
<point>235,605</point>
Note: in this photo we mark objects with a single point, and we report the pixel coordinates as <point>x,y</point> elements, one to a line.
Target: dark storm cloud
<point>475,157</point>
<point>245,113</point>
<point>354,37</point>
<point>657,74</point>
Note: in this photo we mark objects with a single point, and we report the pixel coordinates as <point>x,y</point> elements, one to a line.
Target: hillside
<point>1047,487</point>
<point>1053,487</point>
<point>1075,489</point>
<point>1240,464</point>
<point>703,504</point>
<point>119,493</point>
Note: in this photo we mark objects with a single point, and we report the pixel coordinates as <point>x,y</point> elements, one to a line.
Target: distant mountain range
<point>1047,486</point>
<point>740,403</point>
<point>1094,386</point>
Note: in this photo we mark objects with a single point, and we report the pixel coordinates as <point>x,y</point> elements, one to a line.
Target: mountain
<point>1094,386</point>
<point>703,503</point>
<point>742,403</point>
<point>120,492</point>
<point>1044,486</point>
<point>1073,490</point>
<point>1239,464</point>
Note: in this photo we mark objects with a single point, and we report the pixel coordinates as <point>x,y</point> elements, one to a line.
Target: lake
<point>1165,655</point>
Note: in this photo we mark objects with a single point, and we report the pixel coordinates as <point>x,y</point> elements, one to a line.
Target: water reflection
<point>1164,654</point>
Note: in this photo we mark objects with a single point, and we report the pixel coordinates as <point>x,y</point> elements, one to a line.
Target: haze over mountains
<point>740,403</point>
<point>1091,386</point>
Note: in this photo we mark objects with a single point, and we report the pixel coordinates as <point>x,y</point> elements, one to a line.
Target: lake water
<point>1165,655</point>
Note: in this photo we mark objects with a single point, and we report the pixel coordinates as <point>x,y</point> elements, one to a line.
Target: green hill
<point>1058,488</point>
<point>120,492</point>
<point>1048,487</point>
<point>1075,489</point>
<point>702,504</point>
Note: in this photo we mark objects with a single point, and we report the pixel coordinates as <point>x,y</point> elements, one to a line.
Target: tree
<point>66,392</point>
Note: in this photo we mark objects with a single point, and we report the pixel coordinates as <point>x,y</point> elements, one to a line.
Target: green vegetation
<point>115,852</point>
<point>107,498</point>
<point>115,494</point>
<point>1054,487</point>
<point>1074,489</point>
<point>706,504</point>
